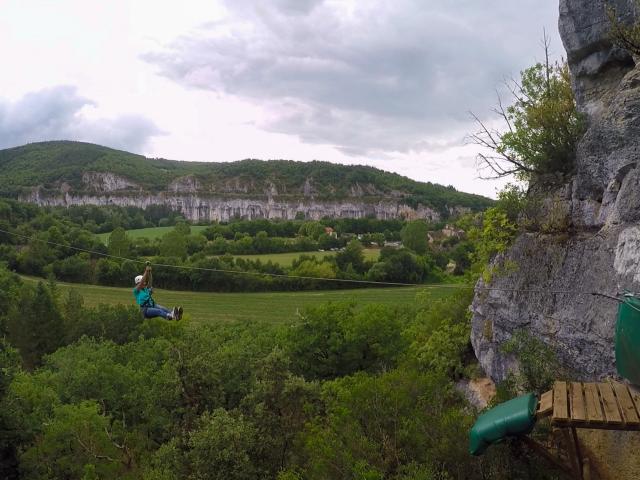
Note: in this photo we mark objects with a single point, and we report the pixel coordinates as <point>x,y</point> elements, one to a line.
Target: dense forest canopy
<point>340,392</point>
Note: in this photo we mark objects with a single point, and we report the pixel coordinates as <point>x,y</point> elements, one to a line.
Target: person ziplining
<point>143,293</point>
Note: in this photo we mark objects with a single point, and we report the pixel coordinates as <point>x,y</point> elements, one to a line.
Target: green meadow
<point>272,307</point>
<point>150,233</point>
<point>286,259</point>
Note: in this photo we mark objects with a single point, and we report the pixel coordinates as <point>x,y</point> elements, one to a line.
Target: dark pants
<point>157,311</point>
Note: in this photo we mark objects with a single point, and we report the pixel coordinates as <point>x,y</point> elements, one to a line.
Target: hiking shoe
<point>175,314</point>
<point>180,310</point>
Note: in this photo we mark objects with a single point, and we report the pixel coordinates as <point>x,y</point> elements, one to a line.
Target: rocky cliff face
<point>197,204</point>
<point>596,216</point>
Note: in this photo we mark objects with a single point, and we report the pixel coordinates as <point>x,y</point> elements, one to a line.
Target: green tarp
<point>628,339</point>
<point>515,417</point>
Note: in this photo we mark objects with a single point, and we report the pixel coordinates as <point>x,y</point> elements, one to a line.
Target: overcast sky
<point>378,82</point>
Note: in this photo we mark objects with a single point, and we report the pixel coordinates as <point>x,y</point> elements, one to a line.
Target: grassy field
<point>285,259</point>
<point>272,307</point>
<point>150,233</point>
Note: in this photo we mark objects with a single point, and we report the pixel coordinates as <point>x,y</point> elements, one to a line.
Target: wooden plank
<point>576,446</point>
<point>603,425</point>
<point>635,396</point>
<point>609,404</point>
<point>592,400</point>
<point>586,468</point>
<point>544,452</point>
<point>545,405</point>
<point>560,405</point>
<point>578,411</point>
<point>627,407</point>
<point>570,447</point>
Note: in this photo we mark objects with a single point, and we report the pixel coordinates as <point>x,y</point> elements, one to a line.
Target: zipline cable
<point>341,280</point>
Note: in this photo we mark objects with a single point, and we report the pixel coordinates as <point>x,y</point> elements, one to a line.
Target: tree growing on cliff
<point>541,127</point>
<point>623,34</point>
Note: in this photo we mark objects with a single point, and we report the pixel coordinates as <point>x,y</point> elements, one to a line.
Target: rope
<point>341,280</point>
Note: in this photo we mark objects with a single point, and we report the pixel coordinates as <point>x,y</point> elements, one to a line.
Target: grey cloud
<point>297,6</point>
<point>56,114</point>
<point>287,7</point>
<point>125,132</point>
<point>380,78</point>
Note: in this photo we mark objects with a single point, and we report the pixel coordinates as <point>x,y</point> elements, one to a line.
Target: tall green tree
<point>173,244</point>
<point>377,426</point>
<point>35,324</point>
<point>414,236</point>
<point>183,228</point>
<point>403,266</point>
<point>223,448</point>
<point>76,443</point>
<point>9,367</point>
<point>311,229</point>
<point>334,340</point>
<point>119,243</point>
<point>10,286</point>
<point>36,256</point>
<point>279,406</point>
<point>353,254</point>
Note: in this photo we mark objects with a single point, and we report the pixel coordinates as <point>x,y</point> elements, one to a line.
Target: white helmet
<point>138,279</point>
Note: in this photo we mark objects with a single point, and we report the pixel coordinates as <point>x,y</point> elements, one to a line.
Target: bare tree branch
<point>500,164</point>
<point>90,450</point>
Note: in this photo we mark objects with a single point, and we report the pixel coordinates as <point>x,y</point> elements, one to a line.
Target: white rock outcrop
<point>199,207</point>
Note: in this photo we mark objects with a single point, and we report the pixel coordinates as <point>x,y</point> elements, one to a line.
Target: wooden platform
<point>610,406</point>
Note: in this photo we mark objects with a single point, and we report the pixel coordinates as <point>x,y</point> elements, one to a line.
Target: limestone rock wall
<point>236,198</point>
<point>595,244</point>
<point>198,207</point>
<point>107,182</point>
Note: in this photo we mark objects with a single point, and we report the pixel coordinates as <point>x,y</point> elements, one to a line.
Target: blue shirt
<point>143,297</point>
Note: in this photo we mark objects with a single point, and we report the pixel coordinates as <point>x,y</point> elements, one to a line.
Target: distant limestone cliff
<point>74,173</point>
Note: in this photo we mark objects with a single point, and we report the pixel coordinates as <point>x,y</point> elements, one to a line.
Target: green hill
<point>63,165</point>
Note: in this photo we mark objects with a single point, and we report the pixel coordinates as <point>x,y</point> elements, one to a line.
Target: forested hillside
<point>65,165</point>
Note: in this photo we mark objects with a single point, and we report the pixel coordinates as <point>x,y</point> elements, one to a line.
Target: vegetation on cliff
<point>624,34</point>
<point>541,127</point>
